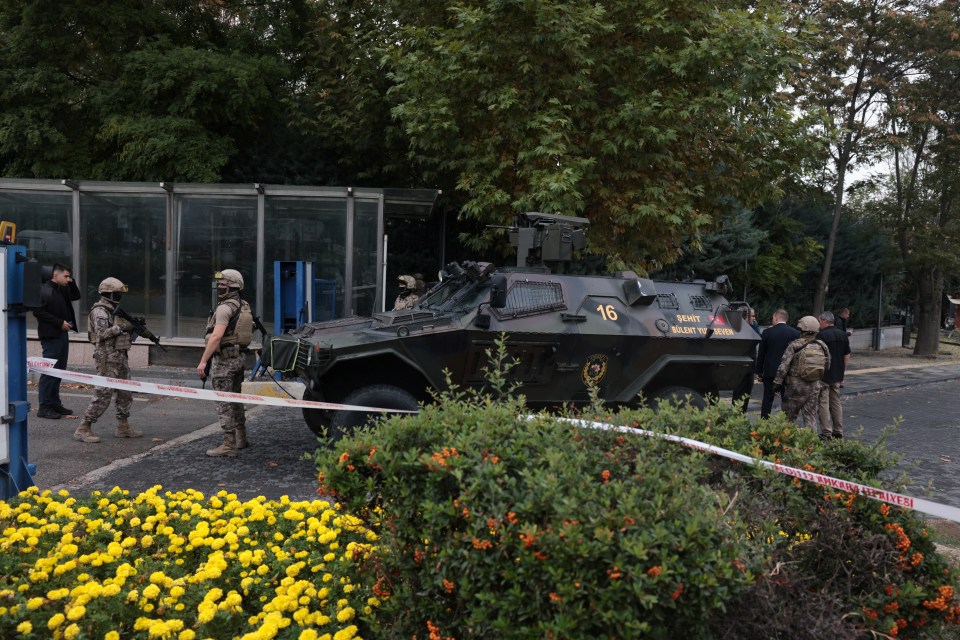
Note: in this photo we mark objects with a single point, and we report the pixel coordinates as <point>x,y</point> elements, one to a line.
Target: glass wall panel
<point>122,235</point>
<point>213,232</point>
<point>43,226</point>
<point>310,230</point>
<point>365,243</point>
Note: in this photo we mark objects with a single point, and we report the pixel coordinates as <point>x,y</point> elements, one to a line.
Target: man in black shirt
<point>773,342</point>
<point>831,411</point>
<point>55,321</point>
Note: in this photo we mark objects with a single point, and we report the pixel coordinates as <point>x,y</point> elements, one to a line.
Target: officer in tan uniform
<point>111,337</point>
<point>408,293</point>
<point>802,401</point>
<point>226,369</point>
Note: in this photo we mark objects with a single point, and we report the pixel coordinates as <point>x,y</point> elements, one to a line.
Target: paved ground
<point>878,390</point>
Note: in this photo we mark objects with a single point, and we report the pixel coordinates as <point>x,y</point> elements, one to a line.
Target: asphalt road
<point>919,396</point>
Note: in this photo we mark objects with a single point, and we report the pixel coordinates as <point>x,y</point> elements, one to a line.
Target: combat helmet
<point>229,277</point>
<point>808,324</point>
<point>111,285</point>
<point>408,282</point>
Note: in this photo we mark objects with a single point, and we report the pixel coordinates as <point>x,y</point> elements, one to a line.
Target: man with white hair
<point>831,411</point>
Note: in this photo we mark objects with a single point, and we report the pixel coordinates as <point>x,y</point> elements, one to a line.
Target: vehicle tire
<point>377,395</point>
<point>316,419</point>
<point>678,395</point>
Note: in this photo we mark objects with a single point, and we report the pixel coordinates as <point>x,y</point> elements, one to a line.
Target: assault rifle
<point>256,325</point>
<point>139,325</point>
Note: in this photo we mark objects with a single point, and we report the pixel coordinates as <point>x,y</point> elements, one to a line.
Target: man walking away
<point>804,363</point>
<point>773,342</point>
<point>55,320</point>
<point>831,411</point>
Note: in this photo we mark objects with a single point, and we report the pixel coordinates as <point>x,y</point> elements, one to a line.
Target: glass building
<point>165,241</point>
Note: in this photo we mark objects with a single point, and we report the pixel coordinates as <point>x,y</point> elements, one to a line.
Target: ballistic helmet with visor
<point>808,324</point>
<point>230,278</point>
<point>408,282</point>
<point>112,285</point>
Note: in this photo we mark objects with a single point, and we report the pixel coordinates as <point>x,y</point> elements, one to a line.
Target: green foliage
<point>517,529</point>
<point>644,120</point>
<point>496,525</point>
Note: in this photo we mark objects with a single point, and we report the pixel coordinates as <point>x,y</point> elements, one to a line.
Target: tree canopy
<point>647,119</point>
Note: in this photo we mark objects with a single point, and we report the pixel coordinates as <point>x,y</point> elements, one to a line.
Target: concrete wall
<point>862,339</point>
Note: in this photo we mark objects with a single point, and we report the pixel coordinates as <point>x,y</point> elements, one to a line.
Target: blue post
<point>16,474</point>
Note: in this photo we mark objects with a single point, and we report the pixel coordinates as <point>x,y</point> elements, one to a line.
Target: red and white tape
<point>45,366</point>
<point>917,504</point>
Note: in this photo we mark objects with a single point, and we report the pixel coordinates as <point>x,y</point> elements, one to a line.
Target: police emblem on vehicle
<point>594,369</point>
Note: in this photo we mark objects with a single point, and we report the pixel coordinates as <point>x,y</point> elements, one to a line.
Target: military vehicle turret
<point>633,338</point>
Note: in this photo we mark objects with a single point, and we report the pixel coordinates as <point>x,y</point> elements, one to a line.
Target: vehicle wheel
<point>378,395</point>
<point>316,419</point>
<point>678,395</point>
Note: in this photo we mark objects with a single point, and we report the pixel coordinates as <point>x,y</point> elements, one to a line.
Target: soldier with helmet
<point>226,361</point>
<point>408,293</point>
<point>111,337</point>
<point>802,396</point>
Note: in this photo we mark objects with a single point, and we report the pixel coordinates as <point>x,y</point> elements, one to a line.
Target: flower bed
<point>180,566</point>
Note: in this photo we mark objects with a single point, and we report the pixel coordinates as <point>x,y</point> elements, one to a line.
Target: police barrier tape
<point>900,500</point>
<point>46,367</point>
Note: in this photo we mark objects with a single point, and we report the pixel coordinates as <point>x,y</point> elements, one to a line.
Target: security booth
<point>166,240</point>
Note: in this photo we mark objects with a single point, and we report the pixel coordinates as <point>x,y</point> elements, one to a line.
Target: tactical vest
<point>121,341</point>
<point>240,327</point>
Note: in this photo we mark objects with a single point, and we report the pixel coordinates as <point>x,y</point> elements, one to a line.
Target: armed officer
<point>407,298</point>
<point>111,337</point>
<point>223,354</point>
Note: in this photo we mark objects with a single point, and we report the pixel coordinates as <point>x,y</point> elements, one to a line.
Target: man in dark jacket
<point>55,320</point>
<point>773,342</point>
<point>831,411</point>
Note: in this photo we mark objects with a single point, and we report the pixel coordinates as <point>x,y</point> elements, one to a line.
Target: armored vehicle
<point>634,339</point>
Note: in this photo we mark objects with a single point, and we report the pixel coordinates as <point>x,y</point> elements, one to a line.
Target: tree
<point>919,201</point>
<point>146,89</point>
<point>650,121</point>
<point>858,53</point>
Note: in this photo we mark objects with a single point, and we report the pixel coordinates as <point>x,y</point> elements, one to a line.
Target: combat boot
<point>228,448</point>
<point>240,433</point>
<point>84,433</point>
<point>125,431</point>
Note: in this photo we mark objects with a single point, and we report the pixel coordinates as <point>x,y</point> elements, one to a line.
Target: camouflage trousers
<point>112,364</point>
<point>803,402</point>
<point>226,374</point>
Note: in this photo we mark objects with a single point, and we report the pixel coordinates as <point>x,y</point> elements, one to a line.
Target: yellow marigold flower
<point>75,613</point>
<point>55,621</point>
<point>346,633</point>
<point>151,591</point>
<point>111,635</point>
<point>24,628</point>
<point>71,632</point>
<point>187,634</point>
<point>146,541</point>
<point>346,614</point>
<point>34,603</point>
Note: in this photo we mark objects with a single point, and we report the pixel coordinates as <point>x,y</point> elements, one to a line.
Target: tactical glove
<point>778,389</point>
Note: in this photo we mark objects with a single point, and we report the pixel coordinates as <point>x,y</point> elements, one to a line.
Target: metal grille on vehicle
<point>529,298</point>
<point>667,301</point>
<point>701,302</point>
